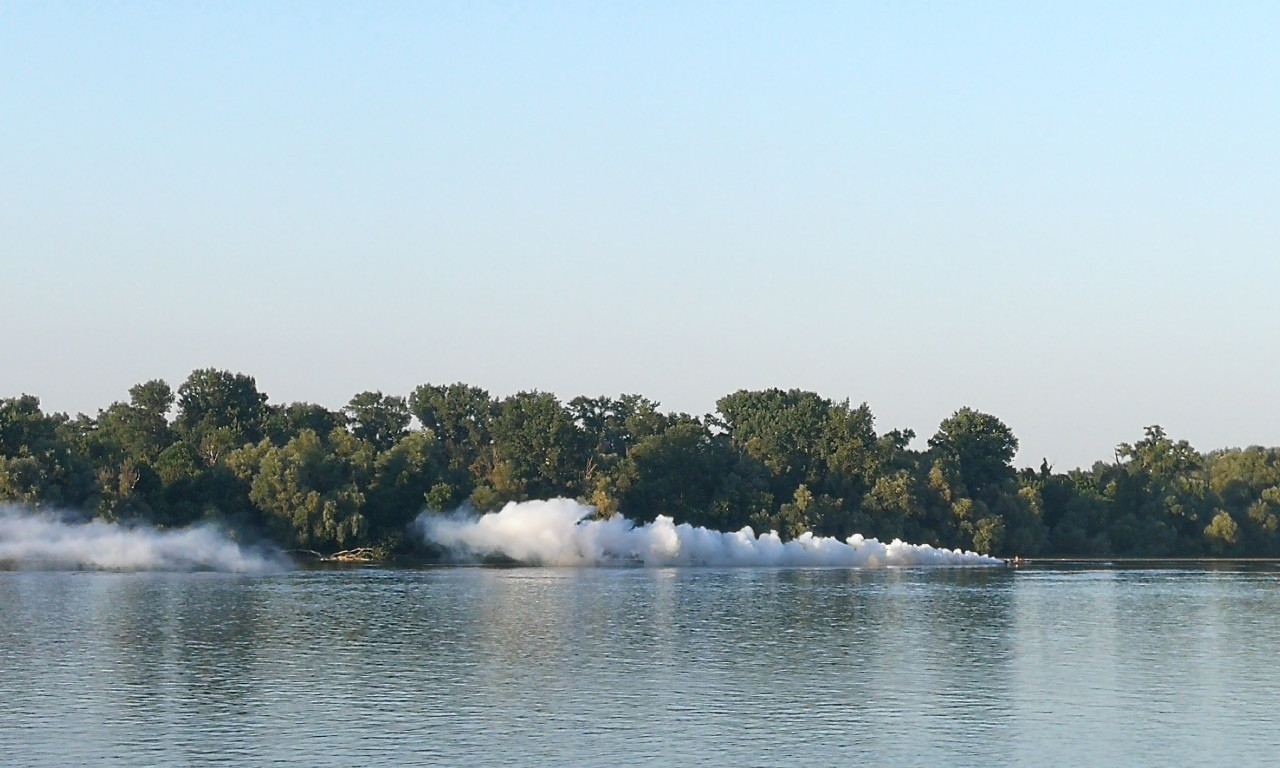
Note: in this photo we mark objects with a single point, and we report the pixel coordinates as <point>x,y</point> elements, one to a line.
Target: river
<point>642,666</point>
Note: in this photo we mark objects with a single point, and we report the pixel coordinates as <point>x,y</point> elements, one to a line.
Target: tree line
<point>785,460</point>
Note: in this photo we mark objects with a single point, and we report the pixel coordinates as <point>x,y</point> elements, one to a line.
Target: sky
<point>1064,214</point>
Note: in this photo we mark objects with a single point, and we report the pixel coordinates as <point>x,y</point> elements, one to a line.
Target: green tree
<point>988,535</point>
<point>221,408</point>
<point>892,510</point>
<point>310,490</point>
<point>283,423</point>
<point>1223,534</point>
<point>139,428</point>
<point>536,441</point>
<point>461,417</point>
<point>404,476</point>
<point>610,427</point>
<point>805,513</point>
<point>378,418</point>
<point>783,430</point>
<point>42,461</point>
<point>852,457</point>
<point>678,472</point>
<point>1160,483</point>
<point>981,447</point>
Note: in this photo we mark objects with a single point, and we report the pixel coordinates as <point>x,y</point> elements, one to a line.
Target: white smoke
<point>555,532</point>
<point>43,540</point>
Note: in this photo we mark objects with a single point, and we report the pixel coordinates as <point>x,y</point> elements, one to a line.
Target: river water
<point>634,666</point>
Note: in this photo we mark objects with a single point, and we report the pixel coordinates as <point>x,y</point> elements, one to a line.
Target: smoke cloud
<point>43,540</point>
<point>555,532</point>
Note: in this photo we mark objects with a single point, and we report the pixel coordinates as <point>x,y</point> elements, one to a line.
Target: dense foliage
<point>790,461</point>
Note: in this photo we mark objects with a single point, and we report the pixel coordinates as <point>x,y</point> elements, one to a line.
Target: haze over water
<point>634,666</point>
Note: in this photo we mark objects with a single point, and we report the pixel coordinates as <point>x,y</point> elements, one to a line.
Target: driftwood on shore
<point>357,555</point>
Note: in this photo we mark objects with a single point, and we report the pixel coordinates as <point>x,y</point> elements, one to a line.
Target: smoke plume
<point>556,532</point>
<point>47,541</point>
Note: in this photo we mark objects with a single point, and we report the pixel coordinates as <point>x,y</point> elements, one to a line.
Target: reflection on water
<point>640,666</point>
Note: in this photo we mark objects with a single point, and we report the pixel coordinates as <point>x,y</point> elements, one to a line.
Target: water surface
<point>632,666</point>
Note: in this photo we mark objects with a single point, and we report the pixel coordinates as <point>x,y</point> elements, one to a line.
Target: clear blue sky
<point>1065,214</point>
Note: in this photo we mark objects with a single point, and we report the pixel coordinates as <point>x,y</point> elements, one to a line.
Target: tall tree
<point>283,423</point>
<point>42,460</point>
<point>536,440</point>
<point>310,490</point>
<point>220,407</point>
<point>138,430</point>
<point>404,477</point>
<point>980,445</point>
<point>380,419</point>
<point>783,430</point>
<point>460,416</point>
<point>678,472</point>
